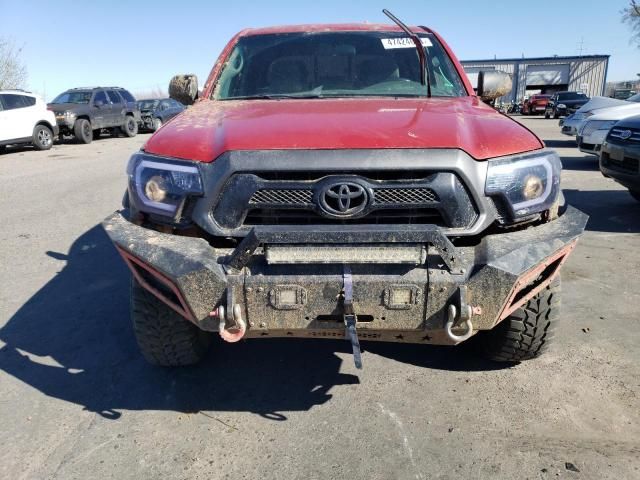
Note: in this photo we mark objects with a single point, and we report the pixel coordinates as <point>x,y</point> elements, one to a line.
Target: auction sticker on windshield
<point>403,42</point>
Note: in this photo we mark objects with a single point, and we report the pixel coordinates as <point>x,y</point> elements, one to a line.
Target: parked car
<point>572,124</point>
<point>338,182</point>
<point>562,104</point>
<point>155,112</point>
<point>535,104</point>
<point>593,130</point>
<point>620,155</point>
<point>84,112</point>
<point>24,119</point>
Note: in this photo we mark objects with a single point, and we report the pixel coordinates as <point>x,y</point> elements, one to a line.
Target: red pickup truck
<point>343,181</point>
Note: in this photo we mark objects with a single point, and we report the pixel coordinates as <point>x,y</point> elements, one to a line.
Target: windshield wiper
<point>422,55</point>
<point>276,96</point>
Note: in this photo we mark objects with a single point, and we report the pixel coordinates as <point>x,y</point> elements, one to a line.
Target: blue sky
<point>140,44</point>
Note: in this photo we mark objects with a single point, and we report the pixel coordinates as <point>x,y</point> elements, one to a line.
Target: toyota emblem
<point>344,199</point>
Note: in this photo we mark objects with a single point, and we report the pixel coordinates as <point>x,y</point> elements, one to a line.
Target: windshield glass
<point>572,96</point>
<point>73,97</point>
<point>148,104</point>
<point>336,64</point>
<point>634,98</point>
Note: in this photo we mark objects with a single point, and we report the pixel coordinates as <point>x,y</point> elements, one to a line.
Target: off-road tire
<point>3,148</point>
<point>42,137</point>
<point>130,126</point>
<point>526,333</point>
<point>634,193</point>
<point>165,338</point>
<point>82,131</point>
<point>157,123</point>
<point>547,115</point>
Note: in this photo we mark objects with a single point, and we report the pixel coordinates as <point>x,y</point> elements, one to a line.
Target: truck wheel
<point>42,137</point>
<point>82,131</point>
<point>634,193</point>
<point>546,115</point>
<point>164,337</point>
<point>3,148</point>
<point>526,333</point>
<point>157,123</point>
<point>130,126</point>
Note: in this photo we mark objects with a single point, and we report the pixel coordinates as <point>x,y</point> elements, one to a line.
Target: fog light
<point>156,188</point>
<point>533,187</point>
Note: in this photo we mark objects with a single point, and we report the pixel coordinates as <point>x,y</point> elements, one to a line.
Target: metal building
<point>587,74</point>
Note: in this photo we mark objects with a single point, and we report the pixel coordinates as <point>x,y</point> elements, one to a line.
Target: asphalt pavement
<point>78,401</point>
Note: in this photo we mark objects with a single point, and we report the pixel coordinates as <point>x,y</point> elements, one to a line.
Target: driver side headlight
<point>528,184</point>
<point>161,186</point>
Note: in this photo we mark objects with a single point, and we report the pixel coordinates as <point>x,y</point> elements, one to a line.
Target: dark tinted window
<point>115,98</point>
<point>101,96</point>
<point>11,101</point>
<point>29,101</point>
<point>127,96</point>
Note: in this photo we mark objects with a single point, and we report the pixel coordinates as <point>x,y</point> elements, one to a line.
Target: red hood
<point>210,128</point>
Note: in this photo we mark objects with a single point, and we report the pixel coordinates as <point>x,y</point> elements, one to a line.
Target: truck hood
<point>210,128</point>
<point>63,107</point>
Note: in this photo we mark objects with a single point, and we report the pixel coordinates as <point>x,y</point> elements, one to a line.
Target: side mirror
<point>98,103</point>
<point>184,88</point>
<point>493,84</point>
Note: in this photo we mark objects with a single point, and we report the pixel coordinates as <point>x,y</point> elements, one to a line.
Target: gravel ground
<point>78,401</point>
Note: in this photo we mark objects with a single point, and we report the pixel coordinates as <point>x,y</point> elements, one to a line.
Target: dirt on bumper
<point>393,302</point>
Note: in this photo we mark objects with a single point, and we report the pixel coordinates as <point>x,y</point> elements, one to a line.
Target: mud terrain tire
<point>526,333</point>
<point>164,337</point>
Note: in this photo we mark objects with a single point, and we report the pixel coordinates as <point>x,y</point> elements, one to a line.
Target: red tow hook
<point>241,328</point>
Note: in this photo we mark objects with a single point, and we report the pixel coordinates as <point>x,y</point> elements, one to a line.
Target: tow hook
<point>240,324</point>
<point>349,316</point>
<point>464,318</point>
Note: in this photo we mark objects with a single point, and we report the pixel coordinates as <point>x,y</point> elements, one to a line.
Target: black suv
<point>562,104</point>
<point>84,112</point>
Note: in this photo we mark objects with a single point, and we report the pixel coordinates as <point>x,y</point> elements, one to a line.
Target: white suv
<point>24,118</point>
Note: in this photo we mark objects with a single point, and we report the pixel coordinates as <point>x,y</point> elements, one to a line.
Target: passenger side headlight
<point>528,184</point>
<point>561,105</point>
<point>161,186</point>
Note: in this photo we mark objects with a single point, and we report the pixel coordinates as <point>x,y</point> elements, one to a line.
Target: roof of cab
<point>328,27</point>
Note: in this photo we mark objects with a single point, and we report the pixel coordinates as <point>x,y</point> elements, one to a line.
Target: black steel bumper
<point>395,298</point>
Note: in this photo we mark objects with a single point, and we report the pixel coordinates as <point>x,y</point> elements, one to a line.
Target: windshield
<point>572,96</point>
<point>148,104</point>
<point>336,64</point>
<point>73,97</point>
<point>634,98</point>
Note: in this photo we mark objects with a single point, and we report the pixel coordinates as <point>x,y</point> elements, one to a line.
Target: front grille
<point>274,196</point>
<point>404,195</point>
<point>408,216</point>
<point>623,135</point>
<point>626,165</point>
<point>376,197</point>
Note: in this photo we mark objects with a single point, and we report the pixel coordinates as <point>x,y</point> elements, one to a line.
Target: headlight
<point>68,115</point>
<point>561,105</point>
<point>528,184</point>
<point>161,186</point>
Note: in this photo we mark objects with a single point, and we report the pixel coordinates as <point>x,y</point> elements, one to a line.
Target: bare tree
<point>631,16</point>
<point>13,73</point>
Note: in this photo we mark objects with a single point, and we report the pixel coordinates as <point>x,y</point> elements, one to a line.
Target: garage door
<point>547,74</point>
